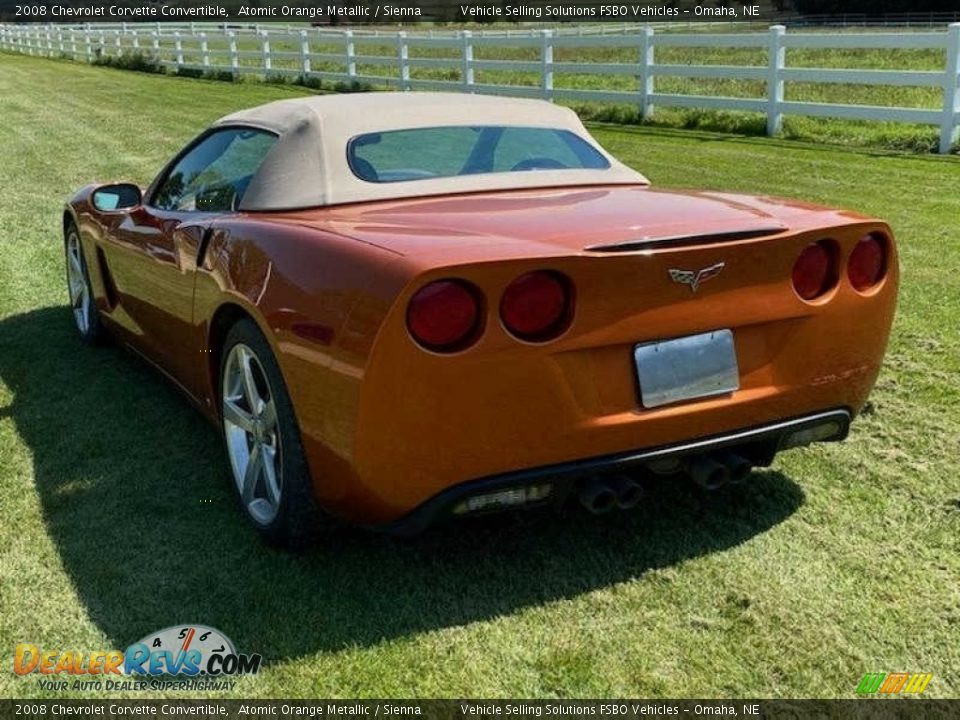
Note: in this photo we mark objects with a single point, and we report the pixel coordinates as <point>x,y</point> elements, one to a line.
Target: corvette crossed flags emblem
<point>694,278</point>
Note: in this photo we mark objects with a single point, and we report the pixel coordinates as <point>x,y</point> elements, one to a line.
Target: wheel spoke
<point>249,384</point>
<point>76,292</point>
<point>241,418</point>
<point>74,256</point>
<point>269,415</point>
<point>269,460</point>
<point>254,465</point>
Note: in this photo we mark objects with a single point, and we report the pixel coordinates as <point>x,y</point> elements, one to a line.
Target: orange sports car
<point>405,307</point>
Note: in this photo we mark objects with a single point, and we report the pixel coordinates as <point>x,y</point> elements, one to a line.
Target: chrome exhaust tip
<point>706,472</point>
<point>737,465</point>
<point>597,497</point>
<point>628,491</point>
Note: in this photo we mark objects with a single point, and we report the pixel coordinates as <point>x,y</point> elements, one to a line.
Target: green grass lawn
<point>117,519</point>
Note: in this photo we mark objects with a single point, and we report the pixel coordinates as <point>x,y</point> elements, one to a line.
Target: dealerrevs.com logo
<point>185,657</point>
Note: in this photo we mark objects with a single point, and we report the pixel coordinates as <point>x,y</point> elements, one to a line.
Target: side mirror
<point>120,196</point>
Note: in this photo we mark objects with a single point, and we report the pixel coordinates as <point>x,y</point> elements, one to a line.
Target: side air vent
<point>669,241</point>
<point>108,284</point>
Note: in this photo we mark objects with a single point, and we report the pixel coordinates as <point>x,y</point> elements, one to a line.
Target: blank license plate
<point>690,367</point>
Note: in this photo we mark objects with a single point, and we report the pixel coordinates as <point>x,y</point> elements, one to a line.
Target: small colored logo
<point>894,683</point>
<point>188,650</point>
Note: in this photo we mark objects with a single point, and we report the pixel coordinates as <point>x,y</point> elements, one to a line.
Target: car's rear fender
<point>320,299</point>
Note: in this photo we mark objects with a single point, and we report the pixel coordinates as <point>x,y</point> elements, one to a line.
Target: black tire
<point>86,316</point>
<point>298,520</point>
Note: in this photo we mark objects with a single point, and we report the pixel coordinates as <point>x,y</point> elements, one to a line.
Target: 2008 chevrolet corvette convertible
<point>401,307</point>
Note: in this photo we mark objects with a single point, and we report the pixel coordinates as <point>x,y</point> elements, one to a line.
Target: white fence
<point>288,52</point>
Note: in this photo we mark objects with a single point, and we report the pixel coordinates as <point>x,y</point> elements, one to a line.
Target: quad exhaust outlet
<point>714,471</point>
<point>601,495</point>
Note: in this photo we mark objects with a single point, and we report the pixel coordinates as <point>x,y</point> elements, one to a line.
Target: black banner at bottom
<point>905,709</point>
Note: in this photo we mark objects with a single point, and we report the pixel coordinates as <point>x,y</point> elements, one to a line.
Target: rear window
<point>423,153</point>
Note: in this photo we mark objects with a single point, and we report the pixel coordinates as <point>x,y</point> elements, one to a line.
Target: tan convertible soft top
<point>308,167</point>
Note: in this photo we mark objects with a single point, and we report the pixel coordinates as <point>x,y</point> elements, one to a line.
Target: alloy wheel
<point>252,433</point>
<point>77,285</point>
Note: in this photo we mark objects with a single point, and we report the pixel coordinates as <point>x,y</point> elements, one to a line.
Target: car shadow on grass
<point>135,495</point>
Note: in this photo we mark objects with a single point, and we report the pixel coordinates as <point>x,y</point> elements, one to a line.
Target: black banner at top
<point>334,12</point>
<point>391,12</point>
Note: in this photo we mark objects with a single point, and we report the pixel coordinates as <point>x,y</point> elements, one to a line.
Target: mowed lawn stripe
<point>118,519</point>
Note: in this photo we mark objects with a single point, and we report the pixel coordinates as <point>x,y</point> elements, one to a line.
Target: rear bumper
<point>759,443</point>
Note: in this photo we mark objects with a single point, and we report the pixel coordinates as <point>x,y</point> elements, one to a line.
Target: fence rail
<point>338,56</point>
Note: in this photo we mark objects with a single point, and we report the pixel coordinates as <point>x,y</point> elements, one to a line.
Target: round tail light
<point>867,263</point>
<point>537,306</point>
<point>445,315</point>
<point>814,272</point>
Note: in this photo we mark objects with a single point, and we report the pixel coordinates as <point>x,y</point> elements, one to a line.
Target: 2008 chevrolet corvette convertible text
<point>401,307</point>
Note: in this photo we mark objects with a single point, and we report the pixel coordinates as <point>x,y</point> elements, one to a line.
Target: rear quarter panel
<point>285,278</point>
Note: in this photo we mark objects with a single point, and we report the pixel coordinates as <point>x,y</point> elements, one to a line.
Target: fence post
<point>777,58</point>
<point>102,50</point>
<point>646,73</point>
<point>178,46</point>
<point>86,40</point>
<point>403,55</point>
<point>49,43</point>
<point>546,61</point>
<point>204,50</point>
<point>155,44</point>
<point>60,40</point>
<point>118,44</point>
<point>951,92</point>
<point>467,38</point>
<point>304,54</point>
<point>265,51</point>
<point>136,41</point>
<point>234,56</point>
<point>351,55</point>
